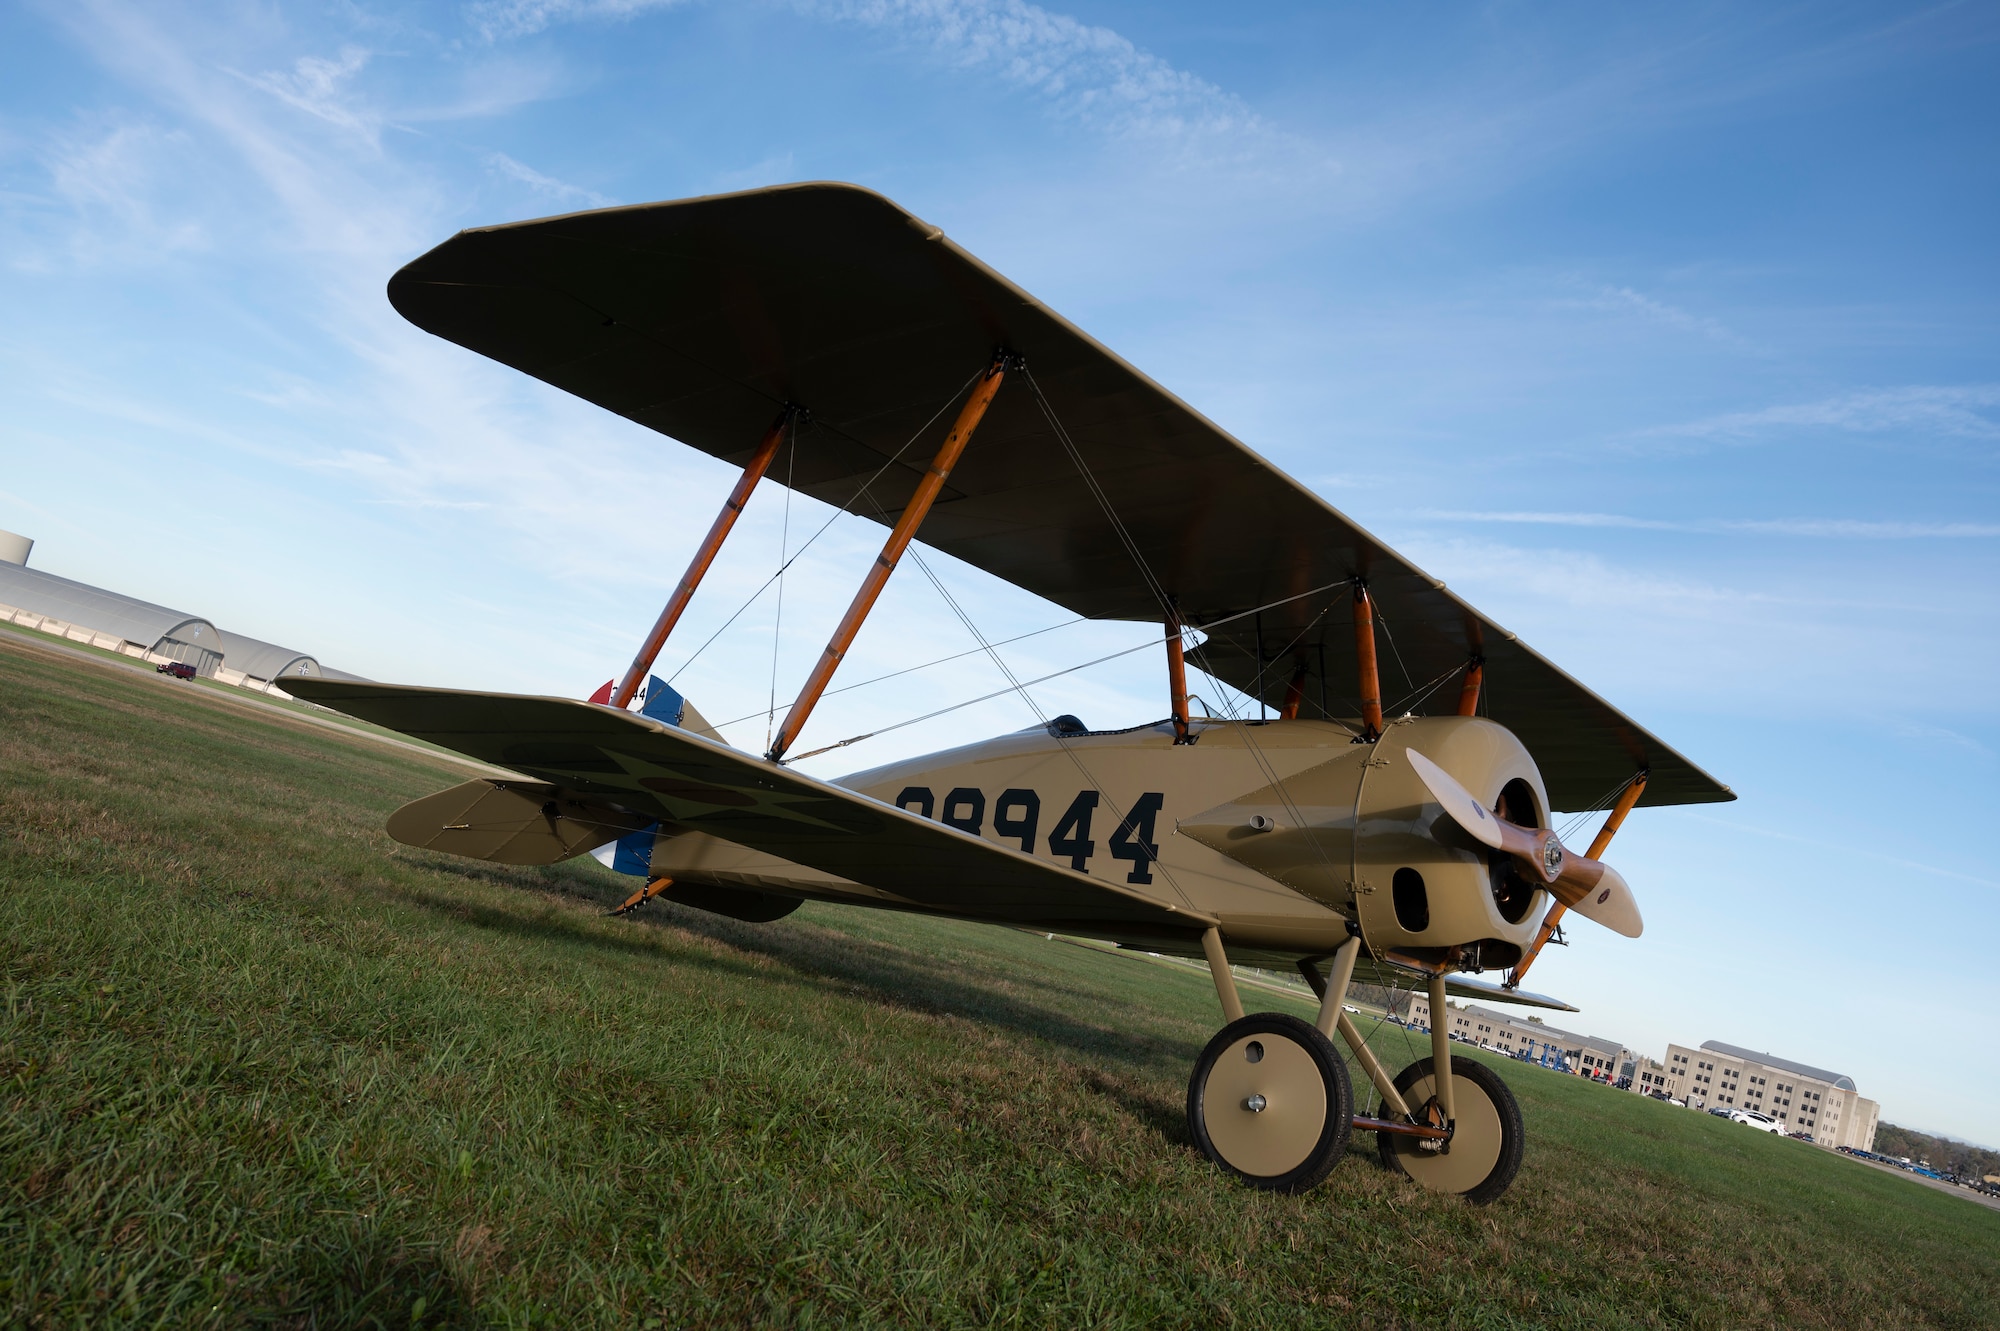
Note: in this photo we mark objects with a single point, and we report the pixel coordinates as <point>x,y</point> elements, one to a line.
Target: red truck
<point>178,669</point>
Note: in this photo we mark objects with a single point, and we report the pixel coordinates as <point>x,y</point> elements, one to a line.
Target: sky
<point>1666,335</point>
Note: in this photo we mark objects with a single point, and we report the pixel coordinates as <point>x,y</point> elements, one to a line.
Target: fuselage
<point>1289,833</point>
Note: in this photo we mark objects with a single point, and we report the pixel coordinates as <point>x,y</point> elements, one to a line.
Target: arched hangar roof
<point>94,608</point>
<point>1837,1079</point>
<point>265,660</point>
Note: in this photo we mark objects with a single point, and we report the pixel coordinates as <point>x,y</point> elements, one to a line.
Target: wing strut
<point>1364,652</point>
<point>1598,846</point>
<point>892,551</point>
<point>704,555</point>
<point>1177,676</point>
<point>1468,693</point>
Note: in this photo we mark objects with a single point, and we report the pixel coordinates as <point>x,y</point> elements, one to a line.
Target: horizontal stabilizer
<point>509,822</point>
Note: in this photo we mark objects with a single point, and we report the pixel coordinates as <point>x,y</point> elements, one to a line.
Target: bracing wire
<point>1410,702</point>
<point>1167,606</point>
<point>1057,674</point>
<point>784,548</point>
<point>911,670</point>
<point>833,517</point>
<point>1015,686</point>
<point>1603,802</point>
<point>1383,620</point>
<point>971,702</point>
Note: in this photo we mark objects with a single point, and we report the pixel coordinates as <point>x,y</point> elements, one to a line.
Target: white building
<point>1530,1039</point>
<point>1824,1105</point>
<point>114,622</point>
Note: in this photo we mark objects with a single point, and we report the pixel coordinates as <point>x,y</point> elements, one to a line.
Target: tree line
<point>1940,1153</point>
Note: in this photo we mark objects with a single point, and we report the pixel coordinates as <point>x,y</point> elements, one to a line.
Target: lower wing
<point>623,764</point>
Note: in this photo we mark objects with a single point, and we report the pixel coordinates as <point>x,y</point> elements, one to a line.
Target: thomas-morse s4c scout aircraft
<point>900,379</point>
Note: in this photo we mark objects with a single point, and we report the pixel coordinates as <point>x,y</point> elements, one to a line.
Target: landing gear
<point>1483,1153</point>
<point>1270,1102</point>
<point>1270,1099</point>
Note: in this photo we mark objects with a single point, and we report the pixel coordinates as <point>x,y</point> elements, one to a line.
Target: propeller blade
<point>1607,898</point>
<point>1466,811</point>
<point>1591,888</point>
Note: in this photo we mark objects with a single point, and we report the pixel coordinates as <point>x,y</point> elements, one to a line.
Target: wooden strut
<point>1364,652</point>
<point>644,895</point>
<point>1177,677</point>
<point>900,536</point>
<point>704,555</point>
<point>1295,693</point>
<point>1218,970</point>
<point>1333,1019</point>
<point>1441,1082</point>
<point>1598,845</point>
<point>1468,693</point>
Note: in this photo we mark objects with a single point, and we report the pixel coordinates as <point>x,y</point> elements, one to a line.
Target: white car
<point>1762,1122</point>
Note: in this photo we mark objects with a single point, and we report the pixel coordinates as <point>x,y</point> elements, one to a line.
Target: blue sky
<point>1668,336</point>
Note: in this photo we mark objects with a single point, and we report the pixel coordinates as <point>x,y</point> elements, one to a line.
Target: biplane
<point>903,380</point>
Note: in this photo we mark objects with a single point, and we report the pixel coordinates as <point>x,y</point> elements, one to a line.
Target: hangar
<point>115,622</point>
<point>265,663</point>
<point>89,614</point>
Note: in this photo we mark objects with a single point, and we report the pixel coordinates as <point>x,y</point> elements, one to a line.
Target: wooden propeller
<point>1591,888</point>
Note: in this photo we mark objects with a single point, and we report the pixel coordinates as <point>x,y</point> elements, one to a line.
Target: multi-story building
<point>1530,1039</point>
<point>1649,1076</point>
<point>1824,1105</point>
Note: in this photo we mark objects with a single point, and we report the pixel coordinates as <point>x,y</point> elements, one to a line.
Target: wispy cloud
<point>1845,848</point>
<point>1089,73</point>
<point>118,184</point>
<point>1624,300</point>
<point>1085,74</point>
<point>548,185</point>
<point>1957,411</point>
<point>497,19</point>
<point>317,86</point>
<point>1942,735</point>
<point>1833,528</point>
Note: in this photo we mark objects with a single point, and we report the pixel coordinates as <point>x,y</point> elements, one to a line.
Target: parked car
<point>1761,1122</point>
<point>1722,1111</point>
<point>178,669</point>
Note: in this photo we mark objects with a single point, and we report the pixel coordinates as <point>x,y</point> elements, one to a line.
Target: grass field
<point>262,1066</point>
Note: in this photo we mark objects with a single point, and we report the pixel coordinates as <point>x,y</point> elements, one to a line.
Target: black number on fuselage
<point>1030,805</point>
<point>917,795</point>
<point>965,809</point>
<point>1134,838</point>
<point>1071,836</point>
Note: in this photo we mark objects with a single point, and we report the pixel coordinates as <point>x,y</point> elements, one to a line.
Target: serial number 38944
<point>1017,816</point>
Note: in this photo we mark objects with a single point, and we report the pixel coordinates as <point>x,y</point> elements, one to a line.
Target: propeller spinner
<point>1589,887</point>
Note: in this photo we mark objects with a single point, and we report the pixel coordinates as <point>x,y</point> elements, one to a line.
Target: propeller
<point>1591,888</point>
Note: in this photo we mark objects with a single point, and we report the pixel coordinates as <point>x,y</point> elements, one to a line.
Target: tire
<point>1484,1153</point>
<point>1297,1131</point>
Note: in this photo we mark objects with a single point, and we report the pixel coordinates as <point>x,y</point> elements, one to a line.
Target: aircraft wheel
<point>1484,1153</point>
<point>1270,1102</point>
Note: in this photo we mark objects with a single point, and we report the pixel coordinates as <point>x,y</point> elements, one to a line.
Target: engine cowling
<point>1364,835</point>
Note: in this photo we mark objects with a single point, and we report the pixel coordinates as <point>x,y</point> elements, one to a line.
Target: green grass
<point>261,1066</point>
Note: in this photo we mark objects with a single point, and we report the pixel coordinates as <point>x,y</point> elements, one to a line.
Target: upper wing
<point>637,764</point>
<point>699,318</point>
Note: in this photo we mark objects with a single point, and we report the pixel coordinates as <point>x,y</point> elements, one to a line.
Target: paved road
<point>215,693</point>
<point>1983,1199</point>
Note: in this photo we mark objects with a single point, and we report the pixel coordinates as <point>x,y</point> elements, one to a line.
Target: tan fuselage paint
<point>1343,818</point>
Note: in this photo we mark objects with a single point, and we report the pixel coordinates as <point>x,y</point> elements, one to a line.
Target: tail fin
<point>662,703</point>
<point>631,853</point>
